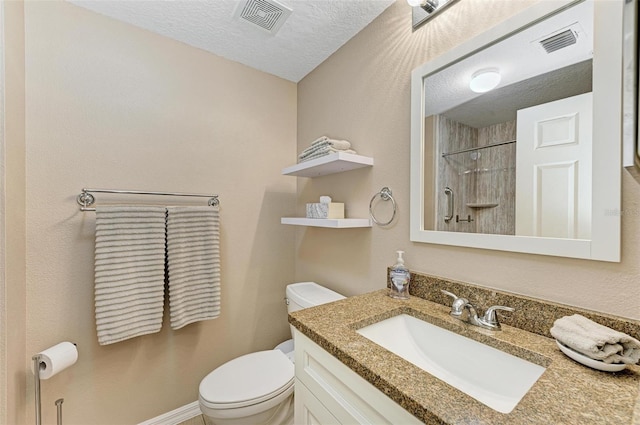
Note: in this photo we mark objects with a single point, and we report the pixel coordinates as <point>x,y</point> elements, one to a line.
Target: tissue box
<point>332,210</point>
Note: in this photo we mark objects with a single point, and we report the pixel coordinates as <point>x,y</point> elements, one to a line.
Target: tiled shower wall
<point>478,179</point>
<point>453,172</point>
<point>496,182</point>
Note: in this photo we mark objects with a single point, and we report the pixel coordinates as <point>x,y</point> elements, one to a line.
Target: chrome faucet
<point>463,310</point>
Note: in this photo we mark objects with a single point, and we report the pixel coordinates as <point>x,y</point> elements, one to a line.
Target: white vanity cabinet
<point>327,392</point>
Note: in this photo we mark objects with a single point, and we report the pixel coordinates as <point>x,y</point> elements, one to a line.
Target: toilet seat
<point>248,380</point>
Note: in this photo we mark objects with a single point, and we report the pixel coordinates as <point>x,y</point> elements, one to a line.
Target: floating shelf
<point>483,205</point>
<point>342,223</point>
<point>333,163</point>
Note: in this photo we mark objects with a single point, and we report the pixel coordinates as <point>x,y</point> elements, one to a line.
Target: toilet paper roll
<point>325,199</point>
<point>57,358</point>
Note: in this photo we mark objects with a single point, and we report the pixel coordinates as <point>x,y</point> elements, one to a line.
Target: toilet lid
<point>248,379</point>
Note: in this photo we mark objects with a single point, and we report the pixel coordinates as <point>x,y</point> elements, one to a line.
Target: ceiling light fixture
<point>429,5</point>
<point>425,9</point>
<point>485,80</point>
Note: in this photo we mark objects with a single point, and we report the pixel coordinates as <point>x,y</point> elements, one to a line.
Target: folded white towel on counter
<point>193,254</point>
<point>129,271</point>
<point>595,340</point>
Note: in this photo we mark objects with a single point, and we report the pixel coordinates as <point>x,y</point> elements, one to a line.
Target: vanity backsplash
<point>531,314</point>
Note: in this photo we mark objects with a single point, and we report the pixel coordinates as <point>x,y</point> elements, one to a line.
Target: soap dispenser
<point>399,276</point>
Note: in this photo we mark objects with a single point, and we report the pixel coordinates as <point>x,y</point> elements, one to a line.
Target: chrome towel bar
<point>85,199</point>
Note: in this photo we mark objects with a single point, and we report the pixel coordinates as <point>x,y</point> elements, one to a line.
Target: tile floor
<point>198,420</point>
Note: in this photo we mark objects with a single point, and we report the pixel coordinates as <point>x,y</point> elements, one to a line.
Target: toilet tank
<point>308,294</point>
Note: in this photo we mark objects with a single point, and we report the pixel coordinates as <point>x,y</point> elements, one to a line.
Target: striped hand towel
<point>129,271</point>
<point>193,254</point>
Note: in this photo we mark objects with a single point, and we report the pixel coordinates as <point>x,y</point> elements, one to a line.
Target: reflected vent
<point>268,15</point>
<point>558,41</point>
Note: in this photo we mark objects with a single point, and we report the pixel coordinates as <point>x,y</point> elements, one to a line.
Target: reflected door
<point>553,169</point>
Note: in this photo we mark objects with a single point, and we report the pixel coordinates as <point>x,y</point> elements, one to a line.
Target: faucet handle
<point>491,318</point>
<point>451,294</point>
<point>458,305</point>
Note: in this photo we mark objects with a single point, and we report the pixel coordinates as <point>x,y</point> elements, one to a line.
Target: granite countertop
<point>567,392</point>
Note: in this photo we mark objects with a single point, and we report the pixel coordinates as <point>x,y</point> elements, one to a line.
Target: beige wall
<point>112,106</point>
<point>362,93</point>
<point>108,105</point>
<point>13,233</point>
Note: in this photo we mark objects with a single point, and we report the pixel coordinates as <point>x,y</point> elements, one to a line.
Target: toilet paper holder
<point>37,359</point>
<point>37,362</point>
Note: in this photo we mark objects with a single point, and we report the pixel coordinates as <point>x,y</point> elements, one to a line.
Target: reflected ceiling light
<point>425,9</point>
<point>429,6</point>
<point>485,80</point>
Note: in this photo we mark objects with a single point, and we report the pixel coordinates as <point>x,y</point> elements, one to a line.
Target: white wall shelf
<point>337,162</point>
<point>342,223</point>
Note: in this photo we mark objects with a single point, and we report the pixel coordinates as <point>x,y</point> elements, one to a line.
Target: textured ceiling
<point>502,105</point>
<point>315,29</point>
<point>536,76</point>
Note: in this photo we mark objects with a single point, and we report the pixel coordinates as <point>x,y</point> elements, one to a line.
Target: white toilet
<point>257,388</point>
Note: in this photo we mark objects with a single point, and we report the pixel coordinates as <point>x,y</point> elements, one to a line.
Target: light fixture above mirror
<point>422,10</point>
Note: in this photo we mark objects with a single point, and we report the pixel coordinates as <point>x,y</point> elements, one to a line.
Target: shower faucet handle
<point>468,219</point>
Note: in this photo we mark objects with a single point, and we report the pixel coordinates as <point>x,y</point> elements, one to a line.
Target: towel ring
<point>386,195</point>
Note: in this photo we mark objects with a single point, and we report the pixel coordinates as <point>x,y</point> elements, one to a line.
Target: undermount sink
<point>493,377</point>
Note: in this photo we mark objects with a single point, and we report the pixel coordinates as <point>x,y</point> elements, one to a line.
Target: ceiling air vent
<point>558,41</point>
<point>268,15</point>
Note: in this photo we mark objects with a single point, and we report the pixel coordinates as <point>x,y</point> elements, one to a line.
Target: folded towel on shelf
<point>324,152</point>
<point>193,255</point>
<point>319,140</point>
<point>595,340</point>
<point>336,143</point>
<point>129,271</point>
<point>322,144</point>
<point>322,147</point>
<point>340,144</point>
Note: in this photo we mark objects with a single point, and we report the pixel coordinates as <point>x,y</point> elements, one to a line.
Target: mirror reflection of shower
<point>478,166</point>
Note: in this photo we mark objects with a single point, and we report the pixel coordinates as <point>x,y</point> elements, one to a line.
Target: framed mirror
<point>531,164</point>
<point>631,142</point>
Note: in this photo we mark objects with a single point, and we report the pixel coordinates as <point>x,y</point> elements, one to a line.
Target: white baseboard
<point>176,416</point>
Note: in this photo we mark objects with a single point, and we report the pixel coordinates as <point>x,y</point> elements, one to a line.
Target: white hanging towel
<point>129,271</point>
<point>193,254</point>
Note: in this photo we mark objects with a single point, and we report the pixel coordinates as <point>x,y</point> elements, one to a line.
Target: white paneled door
<point>553,169</point>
